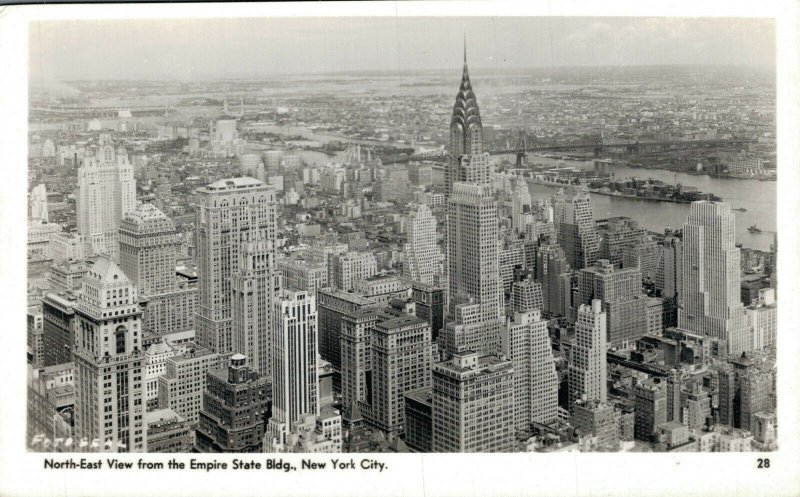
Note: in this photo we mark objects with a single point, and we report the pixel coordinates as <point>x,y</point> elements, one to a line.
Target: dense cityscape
<point>586,261</point>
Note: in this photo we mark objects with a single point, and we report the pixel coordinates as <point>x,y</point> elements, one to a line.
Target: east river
<point>758,197</point>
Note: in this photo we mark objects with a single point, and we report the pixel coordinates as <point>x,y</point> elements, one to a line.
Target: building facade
<point>473,404</point>
<point>230,213</point>
<point>588,367</point>
<point>106,193</point>
<point>109,360</point>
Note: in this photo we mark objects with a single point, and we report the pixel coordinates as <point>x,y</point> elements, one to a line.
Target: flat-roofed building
<point>181,387</point>
<point>167,432</point>
<point>236,407</point>
<point>473,404</point>
<point>58,327</point>
<point>402,354</point>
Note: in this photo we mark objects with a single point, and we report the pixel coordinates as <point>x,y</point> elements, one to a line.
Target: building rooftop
<point>401,321</point>
<point>106,271</point>
<point>421,395</point>
<point>234,183</point>
<point>361,313</point>
<point>58,368</point>
<point>161,415</point>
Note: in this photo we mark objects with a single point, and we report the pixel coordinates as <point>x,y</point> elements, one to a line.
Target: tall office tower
<point>526,295</point>
<point>553,271</point>
<point>106,193</point>
<point>35,338</point>
<point>511,257</point>
<point>230,213</point>
<point>620,290</point>
<point>332,306</point>
<point>669,272</point>
<point>762,318</point>
<point>254,285</point>
<point>651,408</point>
<point>65,247</point>
<point>711,276</point>
<point>745,389</point>
<point>617,233</point>
<point>236,406</point>
<point>429,305</point>
<point>525,340</point>
<point>58,329</point>
<point>109,360</point>
<point>303,275</point>
<point>644,254</point>
<point>521,213</point>
<point>674,387</point>
<point>294,363</point>
<point>575,228</point>
<point>421,251</point>
<point>225,138</point>
<point>473,256</point>
<point>696,404</point>
<point>467,161</point>
<point>598,420</point>
<point>587,365</point>
<point>148,245</point>
<point>473,404</point>
<point>402,355</point>
<point>356,340</point>
<point>467,332</point>
<point>181,386</point>
<point>37,202</point>
<point>352,266</point>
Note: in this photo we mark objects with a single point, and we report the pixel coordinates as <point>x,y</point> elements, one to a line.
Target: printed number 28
<point>763,463</point>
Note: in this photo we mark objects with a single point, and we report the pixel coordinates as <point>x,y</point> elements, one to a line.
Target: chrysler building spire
<point>466,130</point>
<point>466,137</point>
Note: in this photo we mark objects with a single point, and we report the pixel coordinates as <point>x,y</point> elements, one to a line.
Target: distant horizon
<point>756,68</point>
<point>253,48</point>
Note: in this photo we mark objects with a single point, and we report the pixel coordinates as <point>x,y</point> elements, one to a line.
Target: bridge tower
<point>522,148</point>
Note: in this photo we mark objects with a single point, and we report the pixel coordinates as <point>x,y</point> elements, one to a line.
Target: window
<point>120,339</point>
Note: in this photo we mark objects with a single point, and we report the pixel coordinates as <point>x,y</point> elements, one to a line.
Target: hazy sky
<point>219,48</point>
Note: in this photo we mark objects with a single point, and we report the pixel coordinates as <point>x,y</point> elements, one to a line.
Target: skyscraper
<point>401,361</point>
<point>106,193</point>
<point>38,203</point>
<point>421,251</point>
<point>352,266</point>
<point>230,213</point>
<point>473,404</point>
<point>587,368</point>
<point>553,271</point>
<point>710,293</point>
<point>473,258</point>
<point>575,227</point>
<point>109,360</point>
<point>521,213</point>
<point>254,285</point>
<point>236,406</point>
<point>294,362</point>
<point>620,290</point>
<point>225,140</point>
<point>356,356</point>
<point>526,342</point>
<point>467,161</point>
<point>148,245</point>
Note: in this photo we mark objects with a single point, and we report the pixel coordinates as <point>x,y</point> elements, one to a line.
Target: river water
<point>758,197</point>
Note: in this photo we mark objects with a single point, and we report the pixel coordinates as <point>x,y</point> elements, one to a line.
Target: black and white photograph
<point>293,246</point>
